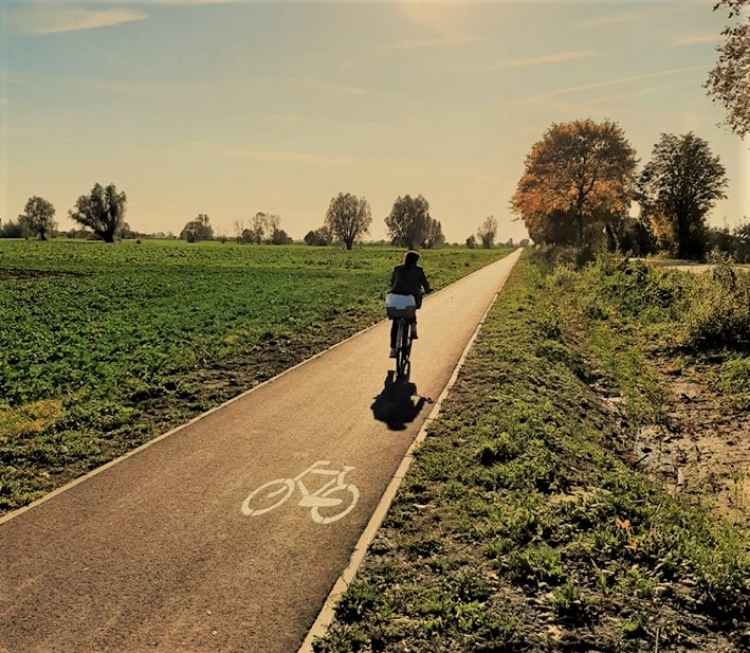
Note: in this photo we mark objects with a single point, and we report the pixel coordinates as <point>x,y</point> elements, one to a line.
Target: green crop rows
<point>104,347</point>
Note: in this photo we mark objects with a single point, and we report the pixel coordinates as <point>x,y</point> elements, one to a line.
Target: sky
<point>228,108</point>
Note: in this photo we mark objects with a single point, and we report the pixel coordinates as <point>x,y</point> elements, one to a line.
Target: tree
<point>677,189</point>
<point>38,217</point>
<point>14,229</point>
<point>434,236</point>
<point>487,232</point>
<point>318,237</point>
<point>102,211</point>
<point>636,237</point>
<point>124,231</point>
<point>409,221</point>
<point>272,221</point>
<point>280,237</point>
<point>471,242</point>
<point>239,229</point>
<point>348,217</point>
<point>729,81</point>
<point>258,228</point>
<point>198,229</point>
<point>577,179</point>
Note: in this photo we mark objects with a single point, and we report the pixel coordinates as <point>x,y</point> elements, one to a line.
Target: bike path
<point>153,553</point>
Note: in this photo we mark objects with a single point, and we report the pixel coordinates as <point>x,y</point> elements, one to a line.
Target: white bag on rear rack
<point>398,306</point>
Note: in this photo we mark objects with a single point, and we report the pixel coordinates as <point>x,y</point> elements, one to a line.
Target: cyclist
<point>408,279</point>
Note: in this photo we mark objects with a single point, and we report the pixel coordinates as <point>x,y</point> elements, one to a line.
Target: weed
<point>536,564</point>
<point>570,604</point>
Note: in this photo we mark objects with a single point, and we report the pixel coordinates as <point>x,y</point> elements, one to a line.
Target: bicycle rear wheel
<point>403,350</point>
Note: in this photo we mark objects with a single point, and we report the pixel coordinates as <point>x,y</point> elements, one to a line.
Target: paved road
<point>153,553</point>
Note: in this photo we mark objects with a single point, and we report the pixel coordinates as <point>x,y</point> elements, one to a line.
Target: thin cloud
<point>696,39</point>
<point>285,156</point>
<point>41,19</point>
<point>616,19</point>
<point>296,119</point>
<point>423,44</point>
<point>629,95</point>
<point>559,57</point>
<point>105,85</point>
<point>606,83</point>
<point>381,165</point>
<point>317,84</point>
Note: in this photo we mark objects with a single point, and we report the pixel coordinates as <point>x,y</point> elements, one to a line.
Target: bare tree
<point>258,228</point>
<point>239,227</point>
<point>487,232</point>
<point>434,236</point>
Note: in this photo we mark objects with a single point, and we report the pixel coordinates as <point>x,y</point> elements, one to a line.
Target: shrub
<point>717,312</point>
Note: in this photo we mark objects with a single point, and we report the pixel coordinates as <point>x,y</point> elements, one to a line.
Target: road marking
<point>273,494</point>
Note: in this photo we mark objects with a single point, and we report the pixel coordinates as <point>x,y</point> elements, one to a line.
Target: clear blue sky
<point>230,108</point>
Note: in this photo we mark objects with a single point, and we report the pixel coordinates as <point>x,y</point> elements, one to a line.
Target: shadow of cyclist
<point>395,405</point>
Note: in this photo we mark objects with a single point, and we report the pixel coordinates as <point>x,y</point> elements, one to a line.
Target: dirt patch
<point>703,448</point>
<point>10,274</point>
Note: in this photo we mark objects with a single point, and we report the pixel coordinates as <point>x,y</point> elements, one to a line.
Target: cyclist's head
<point>410,258</point>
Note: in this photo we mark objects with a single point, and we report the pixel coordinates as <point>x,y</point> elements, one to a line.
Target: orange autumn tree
<point>578,180</point>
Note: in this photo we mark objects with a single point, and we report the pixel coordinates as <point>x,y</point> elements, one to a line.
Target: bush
<point>717,312</point>
<point>12,229</point>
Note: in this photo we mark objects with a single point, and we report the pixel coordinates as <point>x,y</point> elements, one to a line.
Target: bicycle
<point>321,498</point>
<point>402,309</point>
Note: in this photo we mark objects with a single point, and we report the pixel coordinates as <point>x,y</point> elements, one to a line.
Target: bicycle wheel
<point>403,366</point>
<point>265,496</point>
<point>352,499</point>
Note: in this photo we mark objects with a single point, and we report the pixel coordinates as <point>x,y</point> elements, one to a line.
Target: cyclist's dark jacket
<point>409,281</point>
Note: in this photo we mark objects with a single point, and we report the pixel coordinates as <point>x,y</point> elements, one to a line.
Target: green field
<point>104,347</point>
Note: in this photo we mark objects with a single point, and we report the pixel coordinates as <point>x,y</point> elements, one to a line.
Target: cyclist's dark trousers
<point>394,331</point>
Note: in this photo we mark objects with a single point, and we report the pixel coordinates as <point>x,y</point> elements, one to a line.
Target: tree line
<point>577,188</point>
<point>101,213</point>
<point>581,178</point>
<point>347,221</point>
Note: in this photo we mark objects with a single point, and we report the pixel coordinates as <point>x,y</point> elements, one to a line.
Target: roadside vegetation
<point>538,514</point>
<point>104,347</point>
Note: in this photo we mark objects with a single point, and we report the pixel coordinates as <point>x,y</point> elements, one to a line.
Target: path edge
<point>327,612</point>
<point>81,479</point>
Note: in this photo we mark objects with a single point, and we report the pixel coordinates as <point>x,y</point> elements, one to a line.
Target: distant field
<point>104,347</point>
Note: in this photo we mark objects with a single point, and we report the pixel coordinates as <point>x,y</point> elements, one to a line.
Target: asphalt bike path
<point>175,549</point>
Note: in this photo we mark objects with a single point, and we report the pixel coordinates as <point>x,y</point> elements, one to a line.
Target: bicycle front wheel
<point>346,504</point>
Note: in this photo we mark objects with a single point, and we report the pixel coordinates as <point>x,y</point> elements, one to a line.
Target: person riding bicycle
<point>408,279</point>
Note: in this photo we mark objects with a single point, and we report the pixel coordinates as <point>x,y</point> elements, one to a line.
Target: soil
<point>9,274</point>
<point>703,448</point>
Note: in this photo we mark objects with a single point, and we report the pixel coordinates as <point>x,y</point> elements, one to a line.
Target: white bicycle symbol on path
<point>272,494</point>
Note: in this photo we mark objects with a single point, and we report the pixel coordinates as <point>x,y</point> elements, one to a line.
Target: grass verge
<point>523,524</point>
